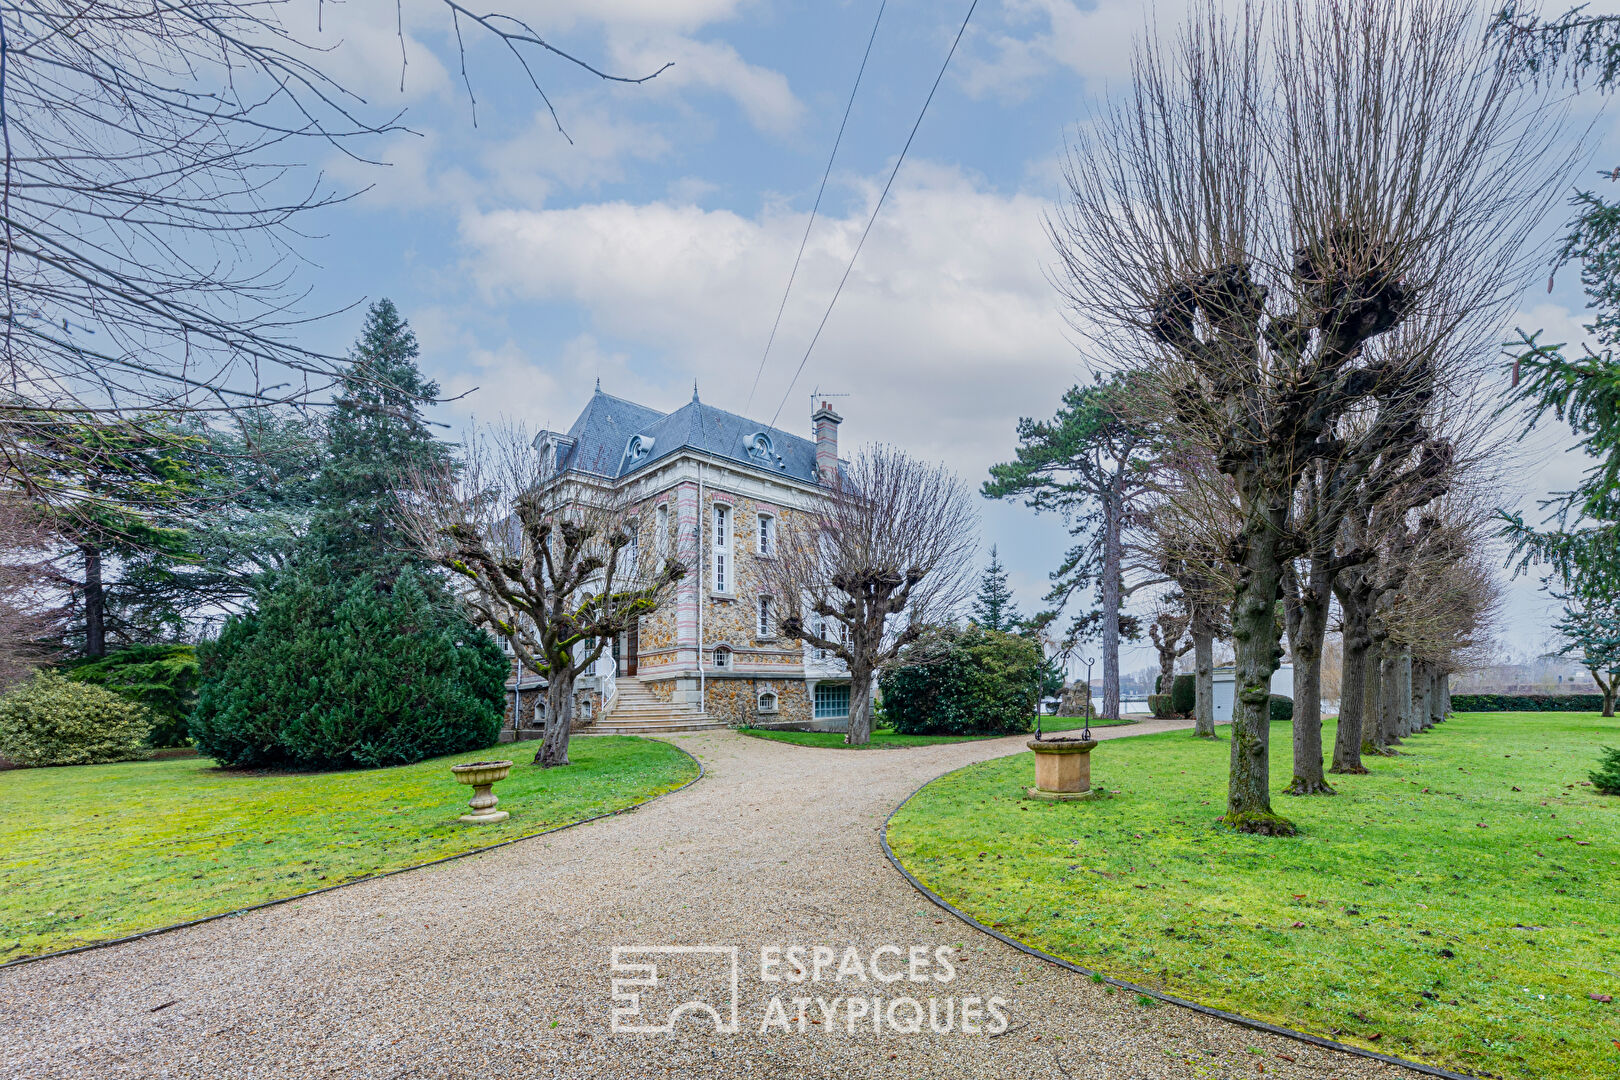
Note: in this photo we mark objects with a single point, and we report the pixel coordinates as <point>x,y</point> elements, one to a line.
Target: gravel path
<point>498,965</point>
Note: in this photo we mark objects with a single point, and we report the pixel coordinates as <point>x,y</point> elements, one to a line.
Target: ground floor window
<point>832,700</point>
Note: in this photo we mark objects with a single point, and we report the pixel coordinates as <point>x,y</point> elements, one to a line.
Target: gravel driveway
<point>498,965</point>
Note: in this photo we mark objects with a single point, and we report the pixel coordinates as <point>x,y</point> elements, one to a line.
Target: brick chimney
<point>826,423</point>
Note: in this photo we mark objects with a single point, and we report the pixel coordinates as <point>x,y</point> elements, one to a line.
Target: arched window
<point>722,656</point>
<point>767,701</point>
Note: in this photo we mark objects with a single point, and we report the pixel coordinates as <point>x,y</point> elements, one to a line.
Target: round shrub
<point>1161,705</point>
<point>334,673</point>
<point>1607,777</point>
<point>1184,694</point>
<point>964,682</point>
<point>1282,709</point>
<point>52,721</point>
<point>161,677</point>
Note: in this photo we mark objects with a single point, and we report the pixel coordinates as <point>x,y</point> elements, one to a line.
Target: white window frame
<point>721,566</point>
<point>775,701</point>
<point>722,658</point>
<point>765,537</point>
<point>632,550</point>
<point>661,523</point>
<point>764,617</point>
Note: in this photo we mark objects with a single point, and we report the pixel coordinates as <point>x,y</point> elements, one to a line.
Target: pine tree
<point>376,438</point>
<point>993,607</point>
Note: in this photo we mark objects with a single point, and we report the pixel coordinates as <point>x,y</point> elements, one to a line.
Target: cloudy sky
<point>652,249</point>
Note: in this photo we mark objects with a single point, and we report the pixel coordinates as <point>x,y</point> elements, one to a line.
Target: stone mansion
<point>721,487</point>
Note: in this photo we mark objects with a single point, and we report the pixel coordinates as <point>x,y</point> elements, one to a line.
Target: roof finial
<point>694,390</point>
<point>599,384</point>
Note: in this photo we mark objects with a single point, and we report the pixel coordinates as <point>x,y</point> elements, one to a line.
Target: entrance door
<point>631,640</point>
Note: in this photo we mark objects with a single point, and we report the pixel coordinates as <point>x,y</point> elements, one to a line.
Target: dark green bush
<point>1607,777</point>
<point>1184,694</point>
<point>161,677</point>
<point>1282,709</point>
<point>1161,705</point>
<point>51,721</point>
<point>1526,702</point>
<point>964,682</point>
<point>330,673</point>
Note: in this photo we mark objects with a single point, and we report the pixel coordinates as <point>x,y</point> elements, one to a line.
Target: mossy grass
<point>885,739</point>
<point>93,852</point>
<point>1453,906</point>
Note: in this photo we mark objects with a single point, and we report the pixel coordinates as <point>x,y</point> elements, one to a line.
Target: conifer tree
<point>376,437</point>
<point>993,607</point>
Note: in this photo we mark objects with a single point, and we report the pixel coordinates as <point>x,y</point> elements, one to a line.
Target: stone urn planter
<point>482,775</point>
<point>1062,769</point>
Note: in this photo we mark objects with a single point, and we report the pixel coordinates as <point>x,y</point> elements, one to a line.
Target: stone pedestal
<point>1062,769</point>
<point>483,775</point>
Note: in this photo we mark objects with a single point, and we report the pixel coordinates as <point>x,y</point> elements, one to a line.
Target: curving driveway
<point>498,965</point>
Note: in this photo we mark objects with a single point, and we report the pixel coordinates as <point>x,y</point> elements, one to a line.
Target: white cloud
<point>946,332</point>
<point>762,93</point>
<point>1094,42</point>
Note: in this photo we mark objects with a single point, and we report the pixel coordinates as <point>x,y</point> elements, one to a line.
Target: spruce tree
<point>993,607</point>
<point>376,437</point>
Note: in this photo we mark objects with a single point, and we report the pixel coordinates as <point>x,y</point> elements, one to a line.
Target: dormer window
<point>638,448</point>
<point>759,446</point>
<point>722,657</point>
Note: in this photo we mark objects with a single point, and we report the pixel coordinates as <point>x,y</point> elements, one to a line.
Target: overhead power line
<point>824,175</point>
<point>869,221</point>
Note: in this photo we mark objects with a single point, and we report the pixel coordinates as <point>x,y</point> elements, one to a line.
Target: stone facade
<point>703,648</point>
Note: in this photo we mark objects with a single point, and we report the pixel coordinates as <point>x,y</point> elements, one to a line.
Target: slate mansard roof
<point>615,438</point>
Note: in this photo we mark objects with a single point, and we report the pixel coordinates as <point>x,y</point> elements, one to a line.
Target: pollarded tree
<point>1267,205</point>
<point>549,564</point>
<point>887,554</point>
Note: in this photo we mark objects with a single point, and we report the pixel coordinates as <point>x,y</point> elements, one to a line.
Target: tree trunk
<point>1403,695</point>
<point>1254,633</point>
<point>1436,705</point>
<point>1607,689</point>
<point>1389,699</point>
<point>559,718</point>
<point>1307,630</point>
<point>1445,696</point>
<point>1204,684</point>
<point>1372,701</point>
<point>1352,688</point>
<point>95,604</point>
<point>1112,588</point>
<point>860,707</point>
<point>1420,696</point>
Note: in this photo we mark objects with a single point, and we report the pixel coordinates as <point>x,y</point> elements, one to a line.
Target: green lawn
<point>100,851</point>
<point>883,738</point>
<point>1457,906</point>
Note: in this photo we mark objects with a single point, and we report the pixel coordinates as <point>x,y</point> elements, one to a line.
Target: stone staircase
<point>637,712</point>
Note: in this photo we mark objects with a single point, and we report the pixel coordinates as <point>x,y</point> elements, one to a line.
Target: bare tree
<point>551,566</point>
<point>1249,225</point>
<point>153,201</point>
<point>30,618</point>
<point>888,554</point>
<point>1168,632</point>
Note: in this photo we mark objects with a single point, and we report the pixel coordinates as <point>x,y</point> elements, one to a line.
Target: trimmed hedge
<point>1184,694</point>
<point>1526,702</point>
<point>964,682</point>
<point>51,721</point>
<point>1282,708</point>
<point>1160,705</point>
<point>334,673</point>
